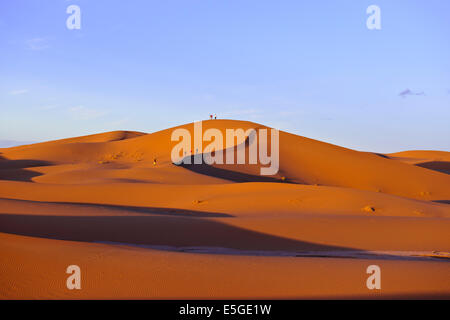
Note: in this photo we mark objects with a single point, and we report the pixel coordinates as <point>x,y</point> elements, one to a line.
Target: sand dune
<point>115,204</point>
<point>303,161</point>
<point>434,160</point>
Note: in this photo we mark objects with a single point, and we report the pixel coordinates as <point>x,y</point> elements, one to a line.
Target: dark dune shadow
<point>442,201</point>
<point>439,166</point>
<point>80,206</point>
<point>17,170</point>
<point>165,233</point>
<point>232,175</point>
<point>151,230</point>
<point>18,175</point>
<point>381,155</point>
<point>225,174</point>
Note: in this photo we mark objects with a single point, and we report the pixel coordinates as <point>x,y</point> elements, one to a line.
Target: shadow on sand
<point>225,174</point>
<point>126,209</point>
<point>439,166</point>
<point>17,170</point>
<point>151,230</point>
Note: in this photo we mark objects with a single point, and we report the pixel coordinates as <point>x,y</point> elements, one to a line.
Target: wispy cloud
<point>408,92</point>
<point>48,107</point>
<point>242,112</point>
<point>37,44</point>
<point>207,97</point>
<point>85,113</point>
<point>119,122</point>
<point>16,92</point>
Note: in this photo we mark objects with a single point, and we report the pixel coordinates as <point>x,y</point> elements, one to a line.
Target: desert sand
<point>145,230</point>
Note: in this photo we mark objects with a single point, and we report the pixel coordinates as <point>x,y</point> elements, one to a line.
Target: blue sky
<point>307,67</point>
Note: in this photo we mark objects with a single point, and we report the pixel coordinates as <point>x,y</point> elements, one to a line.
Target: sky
<point>312,68</point>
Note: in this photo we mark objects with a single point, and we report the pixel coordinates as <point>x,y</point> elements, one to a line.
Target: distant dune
<point>13,143</point>
<point>140,226</point>
<point>434,160</point>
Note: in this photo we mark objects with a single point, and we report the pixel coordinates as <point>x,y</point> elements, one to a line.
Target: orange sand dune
<point>113,272</point>
<point>302,160</point>
<point>434,160</point>
<point>140,226</point>
<point>423,154</point>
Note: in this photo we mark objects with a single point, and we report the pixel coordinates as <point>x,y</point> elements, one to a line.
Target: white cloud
<point>37,44</point>
<point>20,91</point>
<point>207,97</point>
<point>85,113</point>
<point>242,112</point>
<point>48,107</point>
<point>119,122</point>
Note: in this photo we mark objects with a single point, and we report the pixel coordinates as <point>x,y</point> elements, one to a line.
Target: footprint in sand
<point>199,201</point>
<point>369,209</point>
<point>295,201</point>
